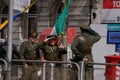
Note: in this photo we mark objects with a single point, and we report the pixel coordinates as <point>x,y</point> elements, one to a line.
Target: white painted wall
<point>101,48</point>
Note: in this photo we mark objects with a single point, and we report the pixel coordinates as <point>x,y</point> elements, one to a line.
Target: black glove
<point>77,58</point>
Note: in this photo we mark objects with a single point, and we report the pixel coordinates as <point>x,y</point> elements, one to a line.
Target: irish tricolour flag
<point>60,23</point>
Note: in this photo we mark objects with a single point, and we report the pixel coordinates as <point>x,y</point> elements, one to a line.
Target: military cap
<point>52,36</point>
<point>84,26</point>
<point>33,34</point>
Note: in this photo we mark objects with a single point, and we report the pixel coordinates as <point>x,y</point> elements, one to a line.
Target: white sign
<point>21,5</point>
<point>110,11</point>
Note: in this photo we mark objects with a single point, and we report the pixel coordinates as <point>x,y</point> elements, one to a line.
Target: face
<point>32,39</point>
<point>52,42</point>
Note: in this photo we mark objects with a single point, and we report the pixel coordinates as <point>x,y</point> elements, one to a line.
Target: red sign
<point>111,4</point>
<point>71,33</point>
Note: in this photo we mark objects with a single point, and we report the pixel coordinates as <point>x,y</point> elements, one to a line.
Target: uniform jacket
<point>79,47</point>
<point>29,51</point>
<point>51,53</point>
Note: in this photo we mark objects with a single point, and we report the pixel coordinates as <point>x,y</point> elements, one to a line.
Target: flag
<point>5,23</point>
<point>60,23</point>
<point>16,16</point>
<point>21,4</point>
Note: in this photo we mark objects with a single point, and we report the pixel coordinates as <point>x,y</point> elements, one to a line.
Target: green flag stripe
<point>61,21</point>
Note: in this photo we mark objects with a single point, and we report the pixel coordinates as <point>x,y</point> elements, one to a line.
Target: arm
<point>96,36</point>
<point>41,45</point>
<point>75,46</point>
<point>22,51</point>
<point>62,49</point>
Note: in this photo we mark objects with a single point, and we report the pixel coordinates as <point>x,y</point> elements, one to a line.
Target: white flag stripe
<point>53,32</point>
<point>21,4</point>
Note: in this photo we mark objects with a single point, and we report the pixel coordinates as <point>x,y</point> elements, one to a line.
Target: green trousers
<point>30,73</point>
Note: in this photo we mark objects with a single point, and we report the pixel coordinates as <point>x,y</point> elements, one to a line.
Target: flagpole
<point>9,51</point>
<point>10,23</point>
<point>64,56</point>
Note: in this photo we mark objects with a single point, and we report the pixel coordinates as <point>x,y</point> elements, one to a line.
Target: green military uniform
<point>52,53</point>
<point>29,51</point>
<point>82,46</point>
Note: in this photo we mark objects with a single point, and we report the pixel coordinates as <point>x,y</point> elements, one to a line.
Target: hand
<point>47,40</point>
<point>85,59</point>
<point>39,72</point>
<point>26,65</point>
<point>61,46</point>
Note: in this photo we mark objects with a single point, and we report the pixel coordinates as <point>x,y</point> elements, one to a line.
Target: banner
<point>20,5</point>
<point>110,11</point>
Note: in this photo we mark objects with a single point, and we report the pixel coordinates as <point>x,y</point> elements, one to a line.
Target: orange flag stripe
<point>3,24</point>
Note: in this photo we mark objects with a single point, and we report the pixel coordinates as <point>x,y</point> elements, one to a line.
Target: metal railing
<point>74,71</point>
<point>52,66</point>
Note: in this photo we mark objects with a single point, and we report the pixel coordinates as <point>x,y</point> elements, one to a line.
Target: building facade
<point>44,13</point>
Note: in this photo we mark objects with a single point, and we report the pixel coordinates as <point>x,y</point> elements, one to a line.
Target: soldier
<point>29,51</point>
<point>82,48</point>
<point>51,49</point>
<point>52,52</point>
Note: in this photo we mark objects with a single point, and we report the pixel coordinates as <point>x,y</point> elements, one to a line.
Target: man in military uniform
<point>52,52</point>
<point>29,51</point>
<point>51,49</point>
<point>82,48</point>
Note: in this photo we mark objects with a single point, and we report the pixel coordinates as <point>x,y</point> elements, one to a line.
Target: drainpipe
<point>90,10</point>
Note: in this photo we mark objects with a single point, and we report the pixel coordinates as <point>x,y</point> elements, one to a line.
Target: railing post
<point>5,67</point>
<point>81,63</point>
<point>52,71</point>
<point>44,72</point>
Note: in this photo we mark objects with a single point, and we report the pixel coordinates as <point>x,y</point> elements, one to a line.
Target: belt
<point>87,53</point>
<point>29,58</point>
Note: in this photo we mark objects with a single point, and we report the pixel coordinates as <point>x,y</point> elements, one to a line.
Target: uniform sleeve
<point>41,45</point>
<point>96,36</point>
<point>62,51</point>
<point>75,46</point>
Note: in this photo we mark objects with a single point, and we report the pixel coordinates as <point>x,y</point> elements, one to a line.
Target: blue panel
<point>113,37</point>
<point>117,48</point>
